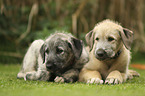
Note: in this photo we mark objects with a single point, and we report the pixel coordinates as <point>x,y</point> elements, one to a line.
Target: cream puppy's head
<point>107,39</point>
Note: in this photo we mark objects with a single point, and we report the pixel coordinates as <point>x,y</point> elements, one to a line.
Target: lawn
<point>11,86</point>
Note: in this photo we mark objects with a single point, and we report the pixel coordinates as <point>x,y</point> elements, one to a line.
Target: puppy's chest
<point>104,70</point>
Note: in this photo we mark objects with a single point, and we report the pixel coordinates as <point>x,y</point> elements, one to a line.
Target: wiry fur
<point>109,54</point>
<point>43,54</point>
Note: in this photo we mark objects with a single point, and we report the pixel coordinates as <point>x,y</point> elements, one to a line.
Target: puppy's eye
<point>110,39</point>
<point>59,51</point>
<point>97,39</point>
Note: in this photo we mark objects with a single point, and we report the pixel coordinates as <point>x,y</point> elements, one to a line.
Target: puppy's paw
<point>112,81</point>
<point>59,79</point>
<point>94,81</point>
<point>129,77</point>
<point>133,73</point>
<point>28,76</point>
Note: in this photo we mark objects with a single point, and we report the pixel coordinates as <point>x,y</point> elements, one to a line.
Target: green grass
<point>10,86</point>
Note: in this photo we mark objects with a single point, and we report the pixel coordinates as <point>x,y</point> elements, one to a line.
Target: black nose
<point>101,53</point>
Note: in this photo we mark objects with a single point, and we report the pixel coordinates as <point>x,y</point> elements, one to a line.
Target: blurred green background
<point>22,21</point>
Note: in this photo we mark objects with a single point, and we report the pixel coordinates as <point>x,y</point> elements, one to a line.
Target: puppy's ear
<point>42,52</point>
<point>89,39</point>
<point>127,37</point>
<point>77,46</point>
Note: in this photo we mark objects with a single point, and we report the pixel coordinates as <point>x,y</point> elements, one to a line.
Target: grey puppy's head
<point>107,39</point>
<point>60,51</point>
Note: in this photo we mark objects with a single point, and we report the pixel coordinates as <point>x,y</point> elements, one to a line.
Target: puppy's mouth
<point>101,58</point>
<point>101,55</point>
<point>51,70</point>
<point>54,68</point>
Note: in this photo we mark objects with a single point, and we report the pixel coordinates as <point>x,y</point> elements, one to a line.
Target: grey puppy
<point>59,58</point>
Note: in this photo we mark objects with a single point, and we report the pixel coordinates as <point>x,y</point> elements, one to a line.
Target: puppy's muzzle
<point>101,54</point>
<point>49,66</point>
<point>53,67</point>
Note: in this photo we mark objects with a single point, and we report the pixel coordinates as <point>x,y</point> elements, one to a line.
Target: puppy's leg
<point>115,77</point>
<point>40,74</point>
<point>31,62</point>
<point>69,76</point>
<point>37,75</point>
<point>131,74</point>
<point>30,58</point>
<point>90,76</point>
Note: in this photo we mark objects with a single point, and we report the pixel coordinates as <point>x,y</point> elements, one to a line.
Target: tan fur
<point>113,71</point>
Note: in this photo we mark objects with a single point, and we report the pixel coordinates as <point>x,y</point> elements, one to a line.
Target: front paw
<point>132,73</point>
<point>28,76</point>
<point>69,80</point>
<point>59,79</point>
<point>112,81</point>
<point>94,81</point>
<point>62,80</point>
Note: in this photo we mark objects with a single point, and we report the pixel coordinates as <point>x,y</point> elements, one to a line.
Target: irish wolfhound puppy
<point>59,58</point>
<point>109,45</point>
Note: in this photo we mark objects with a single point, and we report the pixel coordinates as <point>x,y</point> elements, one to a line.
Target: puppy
<point>59,58</point>
<point>109,45</point>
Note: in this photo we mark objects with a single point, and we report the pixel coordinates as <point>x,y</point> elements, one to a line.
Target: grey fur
<point>60,55</point>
